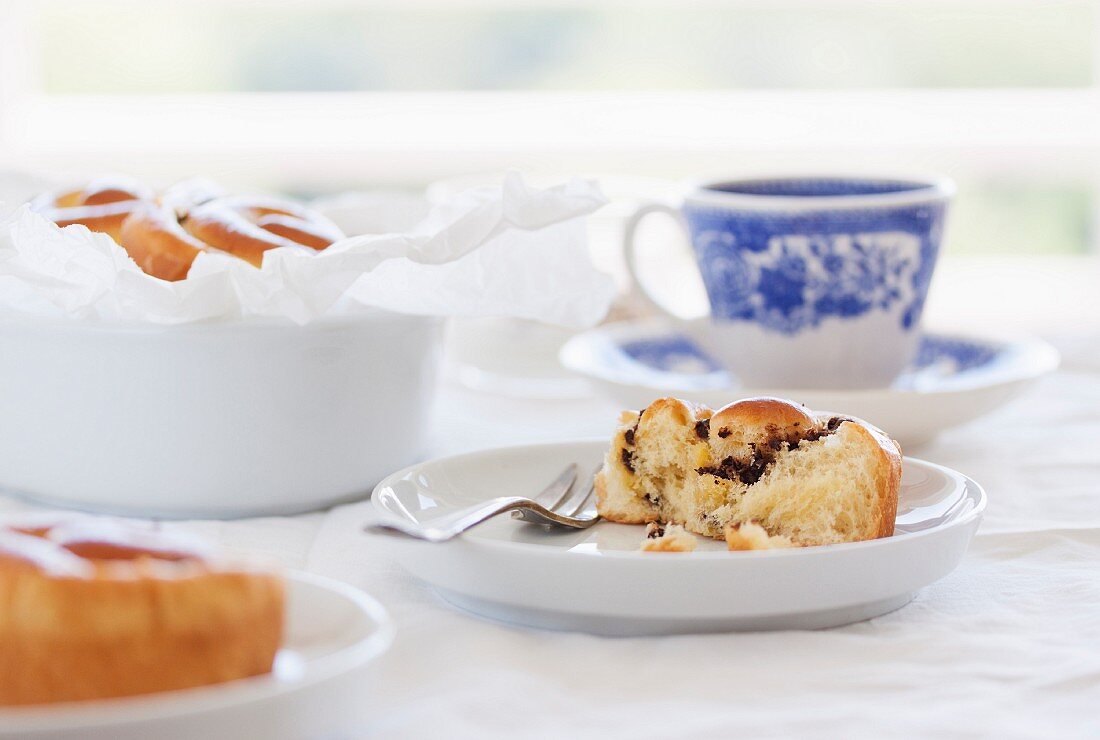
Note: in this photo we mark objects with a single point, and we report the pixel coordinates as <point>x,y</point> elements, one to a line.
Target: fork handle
<point>451,525</point>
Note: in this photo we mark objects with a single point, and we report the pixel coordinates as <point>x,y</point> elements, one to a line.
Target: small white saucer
<point>952,381</point>
<point>333,631</point>
<point>597,580</point>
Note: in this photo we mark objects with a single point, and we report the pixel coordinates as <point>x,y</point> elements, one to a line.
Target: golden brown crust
<point>155,241</point>
<point>888,476</point>
<point>164,238</point>
<point>100,614</point>
<point>101,205</point>
<point>762,412</point>
<point>248,227</point>
<point>108,220</point>
<point>75,639</point>
<point>684,411</point>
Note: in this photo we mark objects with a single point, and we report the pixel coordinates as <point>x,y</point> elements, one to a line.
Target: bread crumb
<point>667,538</point>
<point>751,536</point>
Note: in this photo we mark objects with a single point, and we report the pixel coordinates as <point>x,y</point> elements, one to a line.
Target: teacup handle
<point>630,250</point>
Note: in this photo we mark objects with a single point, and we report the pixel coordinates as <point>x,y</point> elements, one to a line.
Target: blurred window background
<point>329,94</point>
<point>106,47</point>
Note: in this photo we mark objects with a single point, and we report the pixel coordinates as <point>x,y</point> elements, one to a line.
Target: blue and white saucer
<point>953,380</point>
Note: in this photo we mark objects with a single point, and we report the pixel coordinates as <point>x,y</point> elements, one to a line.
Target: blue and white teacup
<point>813,282</point>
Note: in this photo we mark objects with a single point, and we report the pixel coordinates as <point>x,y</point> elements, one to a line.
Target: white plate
<point>333,632</point>
<point>597,580</point>
<point>952,381</point>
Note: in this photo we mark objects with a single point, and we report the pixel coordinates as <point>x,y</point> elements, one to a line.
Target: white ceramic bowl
<point>222,420</point>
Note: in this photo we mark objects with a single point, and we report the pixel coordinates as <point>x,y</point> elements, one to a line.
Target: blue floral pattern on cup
<point>790,270</point>
<point>813,282</point>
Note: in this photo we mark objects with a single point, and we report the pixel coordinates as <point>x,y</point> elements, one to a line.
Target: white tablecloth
<point>1006,646</point>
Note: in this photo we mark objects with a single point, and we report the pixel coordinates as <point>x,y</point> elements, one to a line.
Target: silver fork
<point>566,502</point>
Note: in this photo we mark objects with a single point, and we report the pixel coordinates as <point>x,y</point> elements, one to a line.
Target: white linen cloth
<point>1007,646</point>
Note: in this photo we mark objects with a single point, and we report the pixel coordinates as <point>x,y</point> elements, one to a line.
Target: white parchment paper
<point>511,250</point>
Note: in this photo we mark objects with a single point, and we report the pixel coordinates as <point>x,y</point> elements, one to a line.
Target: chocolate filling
<point>631,433</point>
<point>812,435</point>
<point>628,459</point>
<point>731,469</point>
<point>702,428</point>
<point>628,437</point>
<point>655,532</point>
<point>724,432</point>
<point>752,470</point>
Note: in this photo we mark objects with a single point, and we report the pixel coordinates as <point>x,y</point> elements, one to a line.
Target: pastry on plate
<point>163,233</point>
<point>759,473</point>
<point>92,608</point>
